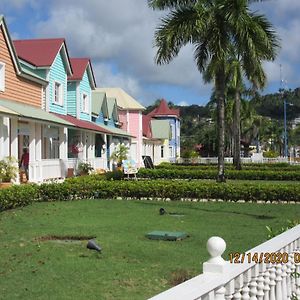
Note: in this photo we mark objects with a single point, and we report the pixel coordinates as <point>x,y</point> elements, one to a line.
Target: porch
<point>270,271</point>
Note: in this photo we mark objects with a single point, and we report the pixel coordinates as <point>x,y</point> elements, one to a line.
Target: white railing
<point>46,169</point>
<point>272,273</point>
<point>229,160</point>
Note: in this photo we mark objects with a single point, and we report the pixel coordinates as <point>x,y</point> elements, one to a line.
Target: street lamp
<point>285,130</point>
<point>285,152</point>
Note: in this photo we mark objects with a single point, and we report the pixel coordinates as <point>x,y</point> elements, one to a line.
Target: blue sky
<point>118,36</point>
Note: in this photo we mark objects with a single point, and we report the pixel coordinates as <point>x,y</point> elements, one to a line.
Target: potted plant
<point>8,171</point>
<point>84,168</point>
<point>120,154</point>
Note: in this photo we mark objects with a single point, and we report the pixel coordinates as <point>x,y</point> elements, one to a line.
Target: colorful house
<point>130,120</point>
<point>171,116</point>
<point>156,134</point>
<point>22,119</point>
<point>68,96</point>
<point>105,113</point>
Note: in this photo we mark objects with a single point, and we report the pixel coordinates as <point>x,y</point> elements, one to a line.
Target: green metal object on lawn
<point>166,235</point>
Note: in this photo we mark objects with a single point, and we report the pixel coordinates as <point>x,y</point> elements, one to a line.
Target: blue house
<point>163,112</point>
<point>68,96</point>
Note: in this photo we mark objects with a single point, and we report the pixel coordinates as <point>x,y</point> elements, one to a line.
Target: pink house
<point>130,117</point>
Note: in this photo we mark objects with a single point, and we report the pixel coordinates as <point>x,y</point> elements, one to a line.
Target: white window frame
<point>2,76</point>
<point>60,100</point>
<point>85,103</point>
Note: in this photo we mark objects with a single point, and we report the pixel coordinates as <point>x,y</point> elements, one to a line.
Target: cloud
<point>183,103</point>
<point>118,36</point>
<point>114,31</point>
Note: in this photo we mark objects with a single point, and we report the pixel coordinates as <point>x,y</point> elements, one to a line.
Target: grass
<point>130,266</point>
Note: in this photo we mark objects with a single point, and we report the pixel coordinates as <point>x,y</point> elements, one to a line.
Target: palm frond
<point>178,28</point>
<point>169,4</point>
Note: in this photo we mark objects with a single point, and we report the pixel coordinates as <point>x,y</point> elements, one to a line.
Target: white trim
<point>2,76</point>
<point>60,93</point>
<point>85,105</point>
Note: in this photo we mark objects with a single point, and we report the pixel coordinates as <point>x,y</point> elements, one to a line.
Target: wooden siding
<point>16,87</point>
<point>100,119</point>
<point>85,88</point>
<point>134,123</point>
<point>71,102</point>
<point>123,119</point>
<point>58,74</point>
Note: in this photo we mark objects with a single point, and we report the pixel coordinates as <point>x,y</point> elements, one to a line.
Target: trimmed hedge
<point>93,187</point>
<point>254,166</point>
<point>189,173</point>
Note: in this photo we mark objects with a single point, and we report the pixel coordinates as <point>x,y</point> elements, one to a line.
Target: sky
<point>118,37</point>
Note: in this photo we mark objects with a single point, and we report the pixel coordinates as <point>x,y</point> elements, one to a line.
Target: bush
<point>271,154</point>
<point>90,187</point>
<point>209,173</point>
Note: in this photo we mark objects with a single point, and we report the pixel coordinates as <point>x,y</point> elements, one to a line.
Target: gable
<point>18,85</point>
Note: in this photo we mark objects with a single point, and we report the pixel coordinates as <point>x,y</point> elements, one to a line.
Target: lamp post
<point>285,130</point>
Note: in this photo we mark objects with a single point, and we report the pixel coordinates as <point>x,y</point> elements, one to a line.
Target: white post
<point>1,138</point>
<point>216,264</point>
<point>63,149</point>
<point>239,281</point>
<point>267,284</point>
<point>253,283</point>
<point>246,290</point>
<point>63,143</point>
<point>260,282</point>
<point>14,141</point>
<point>14,138</point>
<point>38,151</point>
<point>272,283</point>
<point>278,282</point>
<point>5,134</point>
<point>84,145</point>
<point>32,170</point>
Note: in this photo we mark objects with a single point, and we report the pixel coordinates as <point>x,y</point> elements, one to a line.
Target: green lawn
<point>130,266</point>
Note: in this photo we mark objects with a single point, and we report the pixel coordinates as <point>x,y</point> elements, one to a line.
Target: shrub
<point>90,187</point>
<point>271,154</point>
<point>197,173</point>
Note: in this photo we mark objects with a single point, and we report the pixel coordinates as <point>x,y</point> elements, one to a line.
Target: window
<point>171,151</point>
<point>2,76</point>
<point>161,151</point>
<point>58,93</point>
<point>85,103</point>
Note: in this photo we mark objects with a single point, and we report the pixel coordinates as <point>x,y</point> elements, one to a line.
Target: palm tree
<point>214,28</point>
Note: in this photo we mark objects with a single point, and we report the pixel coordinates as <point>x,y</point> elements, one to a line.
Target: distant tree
<point>214,28</point>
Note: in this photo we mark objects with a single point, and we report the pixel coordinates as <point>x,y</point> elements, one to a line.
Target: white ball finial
<point>216,247</point>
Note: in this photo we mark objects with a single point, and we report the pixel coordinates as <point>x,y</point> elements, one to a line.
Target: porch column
<point>14,141</point>
<point>63,150</point>
<point>38,152</point>
<point>84,142</point>
<point>90,146</point>
<point>5,134</point>
<point>14,138</point>
<point>63,138</point>
<point>1,138</point>
<point>32,165</point>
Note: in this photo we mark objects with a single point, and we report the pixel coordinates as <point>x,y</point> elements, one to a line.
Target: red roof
<point>164,110</point>
<point>79,66</point>
<point>38,52</point>
<point>83,124</point>
<point>147,126</point>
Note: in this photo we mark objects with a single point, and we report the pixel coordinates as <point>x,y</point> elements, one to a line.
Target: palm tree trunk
<point>220,94</point>
<point>237,132</point>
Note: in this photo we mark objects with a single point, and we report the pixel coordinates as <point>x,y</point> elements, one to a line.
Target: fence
<point>229,160</point>
<point>269,271</point>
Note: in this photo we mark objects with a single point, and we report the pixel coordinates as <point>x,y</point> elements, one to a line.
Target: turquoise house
<point>79,89</point>
<point>49,59</point>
